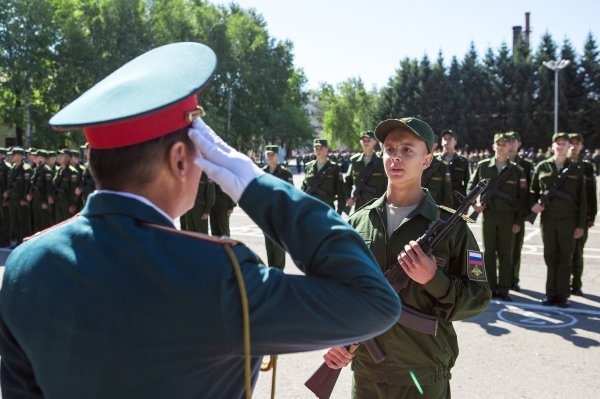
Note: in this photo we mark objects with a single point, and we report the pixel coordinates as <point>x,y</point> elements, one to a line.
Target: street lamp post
<point>556,66</point>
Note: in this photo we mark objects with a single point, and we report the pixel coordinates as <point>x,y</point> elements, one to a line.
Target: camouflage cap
<point>560,135</point>
<point>272,148</point>
<point>416,126</point>
<point>320,142</point>
<point>367,133</point>
<point>576,137</point>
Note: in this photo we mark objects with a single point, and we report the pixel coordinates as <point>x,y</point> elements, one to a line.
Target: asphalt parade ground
<point>516,349</point>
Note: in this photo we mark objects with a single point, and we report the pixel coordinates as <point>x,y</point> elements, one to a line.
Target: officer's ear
<point>427,160</point>
<point>180,160</point>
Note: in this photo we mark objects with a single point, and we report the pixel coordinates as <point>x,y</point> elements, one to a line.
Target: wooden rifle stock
<point>321,383</point>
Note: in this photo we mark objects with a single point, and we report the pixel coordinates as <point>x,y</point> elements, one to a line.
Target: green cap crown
<point>576,136</point>
<point>272,148</point>
<point>321,142</point>
<point>416,126</point>
<point>513,135</point>
<point>500,136</point>
<point>560,135</point>
<point>367,133</point>
<point>450,132</point>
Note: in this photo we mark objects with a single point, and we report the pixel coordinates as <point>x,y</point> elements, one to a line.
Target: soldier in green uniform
<point>450,284</point>
<point>275,254</point>
<point>87,184</point>
<point>4,218</point>
<point>514,143</point>
<point>563,220</point>
<point>196,219</point>
<point>589,175</point>
<point>19,179</point>
<point>503,215</point>
<point>220,213</point>
<point>65,181</point>
<point>323,178</point>
<point>41,188</point>
<point>458,166</point>
<point>436,178</point>
<point>366,179</point>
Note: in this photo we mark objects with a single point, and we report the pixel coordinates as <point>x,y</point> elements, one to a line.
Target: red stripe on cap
<point>141,128</point>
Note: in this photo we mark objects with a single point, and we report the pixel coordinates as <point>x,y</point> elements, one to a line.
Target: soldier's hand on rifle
<point>516,228</point>
<point>578,233</point>
<point>479,208</point>
<point>349,203</point>
<point>419,266</point>
<point>338,357</point>
<point>537,208</point>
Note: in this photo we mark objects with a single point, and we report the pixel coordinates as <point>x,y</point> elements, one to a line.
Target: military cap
<point>52,153</point>
<point>16,150</point>
<point>513,135</point>
<point>367,133</point>
<point>149,97</point>
<point>576,136</point>
<point>272,148</point>
<point>450,132</point>
<point>32,150</point>
<point>500,136</point>
<point>320,142</point>
<point>64,151</point>
<point>74,153</point>
<point>42,153</point>
<point>560,135</point>
<point>419,128</point>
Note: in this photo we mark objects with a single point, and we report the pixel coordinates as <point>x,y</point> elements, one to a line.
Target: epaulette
<point>199,236</point>
<point>453,211</point>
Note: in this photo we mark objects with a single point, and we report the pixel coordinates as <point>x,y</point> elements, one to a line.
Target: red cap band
<point>142,128</point>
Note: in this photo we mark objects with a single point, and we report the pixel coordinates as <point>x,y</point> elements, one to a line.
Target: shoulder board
<point>191,234</point>
<point>453,211</point>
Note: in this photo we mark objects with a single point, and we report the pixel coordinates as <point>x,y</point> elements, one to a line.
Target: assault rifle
<point>362,184</point>
<point>314,188</point>
<point>494,190</point>
<point>553,191</point>
<point>321,383</point>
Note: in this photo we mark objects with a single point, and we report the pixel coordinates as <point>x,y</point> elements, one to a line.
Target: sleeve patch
<point>475,266</point>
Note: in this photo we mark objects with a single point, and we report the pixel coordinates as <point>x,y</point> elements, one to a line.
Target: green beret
<point>560,135</point>
<point>320,142</point>
<point>419,128</point>
<point>272,148</point>
<point>576,136</point>
<point>450,132</point>
<point>367,133</point>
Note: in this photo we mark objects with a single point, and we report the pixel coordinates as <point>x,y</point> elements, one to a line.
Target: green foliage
<point>51,51</point>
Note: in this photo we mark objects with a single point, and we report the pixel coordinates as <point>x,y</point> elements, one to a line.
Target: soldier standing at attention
<point>275,254</point>
<point>436,178</point>
<point>41,188</point>
<point>65,181</point>
<point>366,179</point>
<point>589,175</point>
<point>220,213</point>
<point>450,284</point>
<point>87,184</point>
<point>196,219</point>
<point>19,180</point>
<point>323,178</point>
<point>514,143</point>
<point>4,219</point>
<point>118,303</point>
<point>503,215</point>
<point>563,220</point>
<point>458,166</point>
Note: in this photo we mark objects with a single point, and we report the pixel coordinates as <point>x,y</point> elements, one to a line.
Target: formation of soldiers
<point>516,185</point>
<point>40,188</point>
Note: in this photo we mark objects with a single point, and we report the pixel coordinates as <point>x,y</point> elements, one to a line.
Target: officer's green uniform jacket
<point>514,187</point>
<point>331,187</point>
<point>439,184</point>
<point>458,166</point>
<point>19,181</point>
<point>456,292</point>
<point>205,200</point>
<point>371,188</point>
<point>106,306</point>
<point>574,208</point>
<point>41,189</point>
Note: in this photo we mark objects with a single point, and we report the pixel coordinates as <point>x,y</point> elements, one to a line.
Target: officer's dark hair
<point>117,168</point>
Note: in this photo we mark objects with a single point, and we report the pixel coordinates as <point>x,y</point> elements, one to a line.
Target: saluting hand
<point>419,266</point>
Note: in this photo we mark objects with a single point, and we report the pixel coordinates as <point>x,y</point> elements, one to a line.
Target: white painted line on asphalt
<point>531,235</point>
<point>572,309</point>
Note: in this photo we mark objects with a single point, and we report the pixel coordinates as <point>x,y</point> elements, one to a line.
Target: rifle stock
<point>323,380</point>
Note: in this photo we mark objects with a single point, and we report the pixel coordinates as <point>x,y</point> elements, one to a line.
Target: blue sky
<point>335,40</point>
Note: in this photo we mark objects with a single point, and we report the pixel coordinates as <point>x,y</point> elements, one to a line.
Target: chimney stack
<point>527,28</point>
<point>516,36</point>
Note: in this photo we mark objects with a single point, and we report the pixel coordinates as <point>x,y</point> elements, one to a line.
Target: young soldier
<point>19,180</point>
<point>458,166</point>
<point>589,175</point>
<point>445,285</point>
<point>323,178</point>
<point>503,214</point>
<point>275,254</point>
<point>41,188</point>
<point>436,178</point>
<point>563,220</point>
<point>4,219</point>
<point>514,143</point>
<point>220,213</point>
<point>117,303</point>
<point>366,179</point>
<point>65,182</point>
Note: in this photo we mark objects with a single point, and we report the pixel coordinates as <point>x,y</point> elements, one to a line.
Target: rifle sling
<point>318,181</point>
<point>362,184</point>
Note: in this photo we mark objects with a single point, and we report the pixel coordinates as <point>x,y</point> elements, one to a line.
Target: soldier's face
<point>448,141</point>
<point>501,148</point>
<point>513,146</point>
<point>320,150</point>
<point>272,157</point>
<point>575,148</point>
<point>405,156</point>
<point>367,143</point>
<point>560,147</point>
